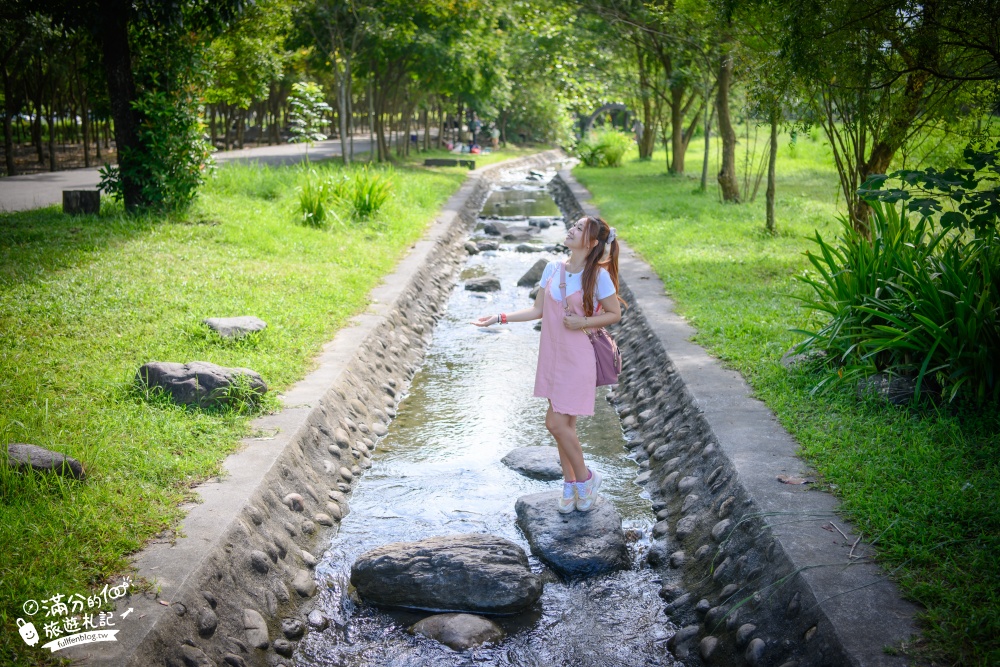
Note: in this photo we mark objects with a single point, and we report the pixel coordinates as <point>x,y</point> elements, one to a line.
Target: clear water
<point>438,472</point>
<point>520,200</point>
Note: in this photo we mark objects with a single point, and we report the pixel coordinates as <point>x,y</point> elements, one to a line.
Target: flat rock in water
<point>199,382</point>
<point>495,228</point>
<point>483,284</point>
<point>527,247</point>
<point>520,233</point>
<point>488,245</point>
<point>235,327</point>
<point>534,274</point>
<point>575,544</point>
<point>471,573</point>
<point>535,462</point>
<point>459,631</point>
<point>471,248</point>
<point>22,457</point>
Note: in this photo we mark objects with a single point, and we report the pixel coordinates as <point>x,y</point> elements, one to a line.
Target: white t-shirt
<point>574,282</point>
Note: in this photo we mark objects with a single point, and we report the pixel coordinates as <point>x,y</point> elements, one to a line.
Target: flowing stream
<point>438,472</point>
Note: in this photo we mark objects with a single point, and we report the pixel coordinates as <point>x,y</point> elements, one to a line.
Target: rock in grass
<point>535,462</point>
<point>576,544</point>
<point>471,573</point>
<point>458,631</point>
<point>894,389</point>
<point>201,383</point>
<point>483,284</point>
<point>235,327</point>
<point>533,275</point>
<point>23,457</point>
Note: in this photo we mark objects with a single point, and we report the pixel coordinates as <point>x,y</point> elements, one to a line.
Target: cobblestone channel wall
<point>750,572</point>
<point>234,588</point>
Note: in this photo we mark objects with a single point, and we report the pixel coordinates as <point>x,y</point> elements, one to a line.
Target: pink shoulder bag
<point>606,352</point>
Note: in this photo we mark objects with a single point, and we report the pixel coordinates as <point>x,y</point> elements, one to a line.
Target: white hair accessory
<point>611,235</point>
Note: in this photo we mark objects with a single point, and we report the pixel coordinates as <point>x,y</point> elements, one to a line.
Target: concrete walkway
<point>21,193</point>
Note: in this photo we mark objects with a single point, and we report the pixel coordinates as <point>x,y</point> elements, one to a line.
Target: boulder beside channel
<point>578,544</point>
<point>24,457</point>
<point>461,573</point>
<point>459,631</point>
<point>198,382</point>
<point>235,327</point>
<point>535,462</point>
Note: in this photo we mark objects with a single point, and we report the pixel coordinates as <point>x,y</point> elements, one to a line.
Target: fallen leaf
<point>785,479</point>
<point>165,604</point>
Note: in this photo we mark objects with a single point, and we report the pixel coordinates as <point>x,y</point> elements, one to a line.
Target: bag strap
<point>562,287</point>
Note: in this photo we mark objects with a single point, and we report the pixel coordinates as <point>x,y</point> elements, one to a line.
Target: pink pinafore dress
<point>567,371</point>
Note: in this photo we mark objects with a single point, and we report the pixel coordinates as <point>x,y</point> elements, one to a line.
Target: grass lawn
<point>85,301</point>
<point>924,485</point>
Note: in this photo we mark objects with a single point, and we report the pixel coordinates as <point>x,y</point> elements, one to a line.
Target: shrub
<point>314,195</point>
<point>172,158</point>
<point>604,148</point>
<point>369,191</point>
<point>914,300</point>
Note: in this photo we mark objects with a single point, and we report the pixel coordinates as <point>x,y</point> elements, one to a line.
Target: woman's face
<point>575,236</point>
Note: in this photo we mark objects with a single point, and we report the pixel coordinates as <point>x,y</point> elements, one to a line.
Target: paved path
<point>20,193</point>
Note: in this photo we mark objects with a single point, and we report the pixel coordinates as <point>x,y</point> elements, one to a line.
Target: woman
<point>567,371</point>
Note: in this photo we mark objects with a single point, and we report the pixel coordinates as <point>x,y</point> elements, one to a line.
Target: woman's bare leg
<point>563,429</point>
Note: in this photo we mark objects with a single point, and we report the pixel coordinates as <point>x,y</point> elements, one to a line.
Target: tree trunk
<point>647,139</point>
<point>8,130</point>
<point>122,93</point>
<point>772,158</point>
<point>709,117</point>
<point>350,112</point>
<point>730,187</point>
<point>85,114</point>
<point>441,128</point>
<point>372,150</point>
<point>211,125</point>
<point>426,143</point>
<point>677,129</point>
<point>52,135</point>
<point>341,84</point>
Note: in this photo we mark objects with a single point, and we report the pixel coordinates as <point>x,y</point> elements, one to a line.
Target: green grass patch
<point>85,301</point>
<point>923,484</point>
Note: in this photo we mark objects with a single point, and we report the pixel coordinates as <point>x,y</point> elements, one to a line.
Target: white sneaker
<point>568,501</point>
<point>586,492</point>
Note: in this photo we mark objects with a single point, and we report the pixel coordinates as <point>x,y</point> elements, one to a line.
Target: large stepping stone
<point>459,631</point>
<point>235,327</point>
<point>483,284</point>
<point>199,382</point>
<point>577,544</point>
<point>535,462</point>
<point>471,573</point>
<point>534,274</point>
<point>24,457</point>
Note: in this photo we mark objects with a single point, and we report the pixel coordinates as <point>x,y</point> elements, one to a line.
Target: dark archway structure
<point>587,121</point>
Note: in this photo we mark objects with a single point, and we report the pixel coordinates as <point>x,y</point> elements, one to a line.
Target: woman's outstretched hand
<point>485,321</point>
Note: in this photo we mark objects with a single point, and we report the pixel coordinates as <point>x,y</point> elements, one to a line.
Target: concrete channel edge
<point>755,572</point>
<point>242,558</point>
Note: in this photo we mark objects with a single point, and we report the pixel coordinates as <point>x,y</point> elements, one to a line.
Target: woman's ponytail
<point>603,255</point>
